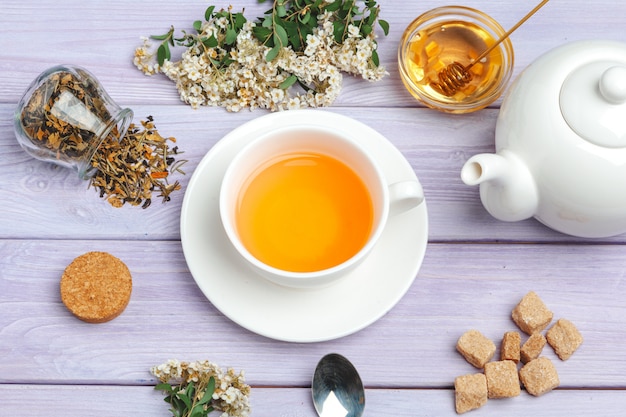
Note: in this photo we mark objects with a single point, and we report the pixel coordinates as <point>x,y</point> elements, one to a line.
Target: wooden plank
<point>460,287</point>
<point>113,401</point>
<point>115,27</point>
<point>41,200</point>
<point>476,268</point>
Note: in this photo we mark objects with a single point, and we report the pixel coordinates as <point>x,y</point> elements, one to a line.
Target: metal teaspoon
<point>337,388</point>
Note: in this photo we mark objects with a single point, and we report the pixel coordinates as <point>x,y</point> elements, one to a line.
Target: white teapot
<point>561,143</point>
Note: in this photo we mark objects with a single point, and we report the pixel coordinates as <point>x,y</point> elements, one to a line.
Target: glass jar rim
<point>445,14</point>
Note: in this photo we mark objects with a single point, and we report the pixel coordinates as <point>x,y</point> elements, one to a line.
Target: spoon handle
<point>506,35</point>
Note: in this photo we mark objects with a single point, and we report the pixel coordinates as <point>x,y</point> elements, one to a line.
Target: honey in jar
<point>434,48</point>
<point>448,35</point>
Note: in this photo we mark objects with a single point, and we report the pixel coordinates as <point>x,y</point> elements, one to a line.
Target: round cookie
<point>96,287</point>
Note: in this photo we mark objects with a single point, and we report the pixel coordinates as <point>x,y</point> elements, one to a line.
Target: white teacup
<point>280,150</point>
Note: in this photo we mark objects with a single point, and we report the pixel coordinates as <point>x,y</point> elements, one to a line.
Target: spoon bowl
<point>337,388</point>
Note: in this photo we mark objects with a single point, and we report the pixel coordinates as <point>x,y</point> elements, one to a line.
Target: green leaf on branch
<point>384,26</point>
<point>339,29</point>
<point>210,42</point>
<point>287,24</point>
<point>164,387</point>
<point>375,59</point>
<point>273,53</point>
<point>281,11</point>
<point>289,81</point>
<point>208,14</point>
<point>263,34</point>
<point>231,36</point>
<point>208,393</point>
<point>280,34</point>
<point>163,53</point>
<point>161,37</point>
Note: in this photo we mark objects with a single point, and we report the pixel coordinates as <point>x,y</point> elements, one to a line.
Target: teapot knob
<point>613,84</point>
<point>593,103</point>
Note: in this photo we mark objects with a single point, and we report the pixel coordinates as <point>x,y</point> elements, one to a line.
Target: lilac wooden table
<point>475,269</point>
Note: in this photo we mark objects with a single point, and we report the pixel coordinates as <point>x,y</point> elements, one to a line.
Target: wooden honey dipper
<point>456,76</point>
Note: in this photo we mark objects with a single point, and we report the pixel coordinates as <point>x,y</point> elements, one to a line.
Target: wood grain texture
<point>475,270</point>
<point>460,287</point>
<point>45,201</point>
<point>115,401</point>
<point>103,35</point>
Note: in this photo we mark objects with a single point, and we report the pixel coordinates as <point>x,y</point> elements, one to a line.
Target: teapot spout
<point>485,167</point>
<point>507,187</point>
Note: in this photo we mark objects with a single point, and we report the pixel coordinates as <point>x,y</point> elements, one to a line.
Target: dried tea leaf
<point>140,163</point>
<point>62,115</point>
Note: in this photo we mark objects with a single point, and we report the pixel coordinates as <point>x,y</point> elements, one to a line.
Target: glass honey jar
<point>455,34</point>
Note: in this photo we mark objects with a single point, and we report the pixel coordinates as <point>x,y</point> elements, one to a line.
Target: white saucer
<point>357,300</point>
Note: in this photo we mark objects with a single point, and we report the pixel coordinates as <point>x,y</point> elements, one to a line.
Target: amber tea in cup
<point>303,205</point>
<point>446,35</point>
<point>304,211</point>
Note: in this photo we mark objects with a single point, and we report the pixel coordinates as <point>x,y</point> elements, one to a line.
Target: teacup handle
<point>404,195</point>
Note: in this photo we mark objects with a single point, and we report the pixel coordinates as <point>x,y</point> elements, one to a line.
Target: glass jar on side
<point>65,115</point>
<point>455,34</point>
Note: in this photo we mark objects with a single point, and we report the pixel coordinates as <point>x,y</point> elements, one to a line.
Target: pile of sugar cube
<point>501,379</point>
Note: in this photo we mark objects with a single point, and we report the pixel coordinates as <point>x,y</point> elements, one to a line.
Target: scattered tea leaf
<point>61,114</point>
<point>129,170</point>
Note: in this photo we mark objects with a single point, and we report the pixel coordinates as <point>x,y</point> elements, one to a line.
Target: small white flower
<point>312,42</point>
<point>247,73</point>
<point>343,59</point>
<point>293,103</point>
<point>193,74</point>
<point>221,22</point>
<point>363,55</point>
<point>233,106</point>
<point>277,95</point>
<point>213,97</point>
<point>250,81</point>
<point>230,395</point>
<point>353,31</point>
<point>209,30</point>
<point>196,90</point>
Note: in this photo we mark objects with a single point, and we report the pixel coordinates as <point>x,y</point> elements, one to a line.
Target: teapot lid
<point>593,103</point>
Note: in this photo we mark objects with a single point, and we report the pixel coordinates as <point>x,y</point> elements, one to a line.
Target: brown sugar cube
<point>510,348</point>
<point>539,376</point>
<point>470,392</point>
<point>564,338</point>
<point>502,379</point>
<point>476,348</point>
<point>533,347</point>
<point>531,314</point>
<point>96,287</point>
